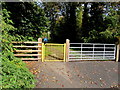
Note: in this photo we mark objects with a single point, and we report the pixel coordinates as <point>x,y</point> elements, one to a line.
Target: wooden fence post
<point>67,49</point>
<point>117,54</point>
<point>40,48</point>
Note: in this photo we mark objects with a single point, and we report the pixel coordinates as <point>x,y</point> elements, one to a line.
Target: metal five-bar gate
<point>91,51</point>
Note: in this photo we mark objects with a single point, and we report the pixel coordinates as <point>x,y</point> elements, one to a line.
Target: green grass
<point>54,49</point>
<point>47,52</point>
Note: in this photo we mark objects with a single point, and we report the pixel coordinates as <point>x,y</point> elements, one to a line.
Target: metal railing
<point>91,51</point>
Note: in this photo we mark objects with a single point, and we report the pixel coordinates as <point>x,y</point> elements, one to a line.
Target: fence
<point>70,51</point>
<point>33,50</point>
<point>91,51</point>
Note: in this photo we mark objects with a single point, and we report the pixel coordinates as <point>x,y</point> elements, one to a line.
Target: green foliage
<point>15,74</point>
<point>103,26</point>
<point>93,37</point>
<point>79,19</point>
<point>13,71</point>
<point>113,22</point>
<point>84,22</point>
<point>107,36</point>
<point>26,21</point>
<point>28,18</point>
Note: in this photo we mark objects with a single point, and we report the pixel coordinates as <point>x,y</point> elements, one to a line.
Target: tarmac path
<point>84,74</point>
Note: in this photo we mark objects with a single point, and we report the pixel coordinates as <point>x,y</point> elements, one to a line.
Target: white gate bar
<point>105,47</point>
<point>91,54</point>
<point>91,51</point>
<point>93,43</point>
<point>92,57</point>
<point>74,47</point>
<point>84,57</point>
<point>89,59</point>
<point>104,52</point>
<point>94,47</point>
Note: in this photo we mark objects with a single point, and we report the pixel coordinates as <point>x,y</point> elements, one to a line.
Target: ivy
<point>13,71</point>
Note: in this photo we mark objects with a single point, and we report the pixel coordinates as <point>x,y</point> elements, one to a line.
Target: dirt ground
<point>84,74</point>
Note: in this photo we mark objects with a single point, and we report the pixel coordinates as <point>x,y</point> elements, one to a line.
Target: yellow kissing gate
<point>53,52</point>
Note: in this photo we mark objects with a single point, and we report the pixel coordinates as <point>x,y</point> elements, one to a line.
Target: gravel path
<point>85,74</point>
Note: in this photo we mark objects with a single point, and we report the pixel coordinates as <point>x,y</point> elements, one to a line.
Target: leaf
<point>53,80</point>
<point>95,83</point>
<point>53,77</point>
<point>101,85</point>
<point>43,75</point>
<point>62,85</point>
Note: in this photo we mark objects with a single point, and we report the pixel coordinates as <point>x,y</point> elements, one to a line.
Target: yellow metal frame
<point>43,52</point>
<point>53,60</point>
<point>64,52</point>
<point>53,44</point>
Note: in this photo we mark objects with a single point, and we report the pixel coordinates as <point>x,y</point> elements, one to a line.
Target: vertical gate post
<point>67,49</point>
<point>117,54</point>
<point>64,52</point>
<point>43,52</point>
<point>39,48</point>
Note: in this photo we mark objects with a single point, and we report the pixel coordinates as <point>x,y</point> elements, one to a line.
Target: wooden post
<point>117,54</point>
<point>39,48</point>
<point>67,49</point>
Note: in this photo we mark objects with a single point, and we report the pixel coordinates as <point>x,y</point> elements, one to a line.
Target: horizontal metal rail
<point>93,43</point>
<point>91,51</point>
<point>90,54</point>
<point>54,44</point>
<point>54,60</point>
<point>89,59</point>
<point>27,46</point>
<point>94,47</point>
<point>92,57</point>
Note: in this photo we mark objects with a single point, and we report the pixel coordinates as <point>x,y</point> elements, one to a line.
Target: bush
<point>14,72</point>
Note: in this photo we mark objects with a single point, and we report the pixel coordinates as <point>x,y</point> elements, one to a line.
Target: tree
<point>62,28</point>
<point>28,18</point>
<point>85,21</point>
<point>112,22</point>
<point>79,21</point>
